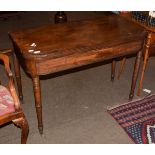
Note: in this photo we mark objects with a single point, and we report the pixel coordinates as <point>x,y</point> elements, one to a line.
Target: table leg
<point>113,66</point>
<point>146,55</point>
<point>18,76</point>
<point>121,69</point>
<point>135,74</point>
<point>38,105</point>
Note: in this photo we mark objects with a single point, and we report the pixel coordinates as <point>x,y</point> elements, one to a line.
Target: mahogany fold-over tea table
<point>57,47</point>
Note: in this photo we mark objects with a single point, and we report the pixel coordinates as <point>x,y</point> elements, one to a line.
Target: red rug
<point>137,118</point>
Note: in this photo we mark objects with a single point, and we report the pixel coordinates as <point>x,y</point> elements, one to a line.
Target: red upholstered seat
<point>6,101</point>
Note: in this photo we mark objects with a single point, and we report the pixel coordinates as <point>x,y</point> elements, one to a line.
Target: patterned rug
<point>137,118</point>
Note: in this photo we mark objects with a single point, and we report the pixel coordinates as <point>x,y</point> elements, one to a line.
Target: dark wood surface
<point>17,117</point>
<point>73,44</point>
<point>93,34</point>
<point>68,43</point>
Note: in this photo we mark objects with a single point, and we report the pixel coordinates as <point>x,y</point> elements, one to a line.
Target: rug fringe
<point>117,105</point>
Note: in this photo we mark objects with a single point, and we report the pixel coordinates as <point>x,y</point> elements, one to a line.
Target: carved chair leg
<point>23,124</point>
<point>38,105</point>
<point>135,74</point>
<point>146,56</point>
<point>18,77</point>
<point>121,69</point>
<point>113,66</point>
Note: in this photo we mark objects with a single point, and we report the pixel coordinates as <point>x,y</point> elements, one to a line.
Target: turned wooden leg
<point>146,55</point>
<point>60,17</point>
<point>18,76</point>
<point>38,105</point>
<point>25,131</point>
<point>135,74</point>
<point>113,66</point>
<point>121,69</point>
<point>23,124</point>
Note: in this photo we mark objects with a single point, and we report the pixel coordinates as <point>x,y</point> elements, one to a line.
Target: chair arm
<point>5,59</point>
<point>6,51</point>
<point>14,94</point>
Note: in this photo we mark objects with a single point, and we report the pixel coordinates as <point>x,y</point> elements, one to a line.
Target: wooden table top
<point>57,40</point>
<point>129,17</point>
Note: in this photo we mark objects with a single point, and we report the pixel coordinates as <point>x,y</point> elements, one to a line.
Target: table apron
<point>63,63</point>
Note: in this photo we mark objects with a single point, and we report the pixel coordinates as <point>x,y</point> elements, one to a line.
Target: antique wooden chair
<point>10,110</point>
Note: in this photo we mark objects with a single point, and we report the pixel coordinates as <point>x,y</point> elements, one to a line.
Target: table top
<point>56,40</point>
<point>129,17</point>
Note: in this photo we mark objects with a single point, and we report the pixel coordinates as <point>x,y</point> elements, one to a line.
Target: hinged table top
<point>55,40</point>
